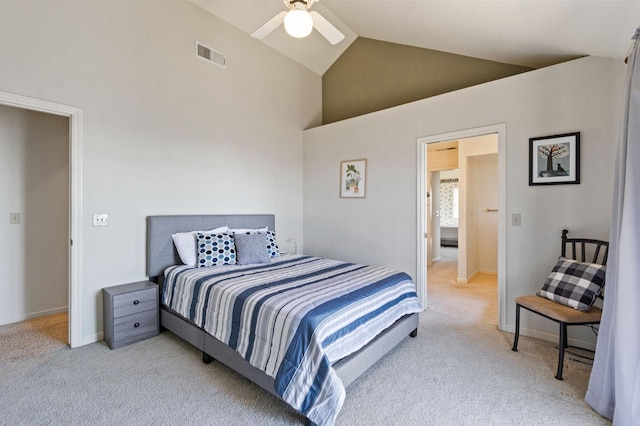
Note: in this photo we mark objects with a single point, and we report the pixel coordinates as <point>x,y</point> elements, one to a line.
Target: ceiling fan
<point>299,22</point>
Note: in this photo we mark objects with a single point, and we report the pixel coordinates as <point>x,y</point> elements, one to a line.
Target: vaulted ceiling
<point>534,33</point>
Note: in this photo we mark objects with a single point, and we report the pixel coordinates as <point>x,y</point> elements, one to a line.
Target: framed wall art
<point>353,178</point>
<point>554,159</point>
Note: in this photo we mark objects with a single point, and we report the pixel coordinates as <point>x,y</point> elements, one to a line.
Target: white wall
<point>469,243</point>
<point>582,95</point>
<point>164,132</point>
<point>440,160</point>
<point>34,182</point>
<point>484,171</point>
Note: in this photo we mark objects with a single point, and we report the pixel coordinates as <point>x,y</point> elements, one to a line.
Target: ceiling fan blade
<point>269,26</point>
<point>326,28</point>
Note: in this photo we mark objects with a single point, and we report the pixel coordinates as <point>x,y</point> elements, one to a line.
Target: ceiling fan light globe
<point>298,23</point>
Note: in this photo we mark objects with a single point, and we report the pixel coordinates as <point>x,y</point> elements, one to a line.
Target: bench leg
<point>517,333</point>
<point>414,333</point>
<point>562,343</point>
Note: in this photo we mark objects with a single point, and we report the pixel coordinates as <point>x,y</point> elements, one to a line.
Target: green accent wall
<point>372,75</point>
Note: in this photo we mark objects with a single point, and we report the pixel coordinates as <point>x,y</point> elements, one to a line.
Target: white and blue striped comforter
<point>293,318</point>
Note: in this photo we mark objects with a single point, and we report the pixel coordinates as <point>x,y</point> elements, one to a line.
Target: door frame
<point>75,199</point>
<point>421,273</point>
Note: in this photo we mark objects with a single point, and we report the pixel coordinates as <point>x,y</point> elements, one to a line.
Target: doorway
<point>471,214</point>
<point>74,202</point>
<point>469,293</point>
<point>34,173</point>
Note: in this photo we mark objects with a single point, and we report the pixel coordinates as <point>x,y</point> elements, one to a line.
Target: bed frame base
<point>348,369</point>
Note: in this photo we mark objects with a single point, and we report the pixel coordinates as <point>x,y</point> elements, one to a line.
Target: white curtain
<point>614,385</point>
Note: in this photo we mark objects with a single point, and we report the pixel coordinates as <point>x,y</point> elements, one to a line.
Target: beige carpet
<point>34,337</point>
<point>475,301</point>
<point>458,371</point>
<point>454,372</point>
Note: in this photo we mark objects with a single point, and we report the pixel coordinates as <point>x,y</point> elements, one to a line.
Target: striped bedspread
<point>293,318</point>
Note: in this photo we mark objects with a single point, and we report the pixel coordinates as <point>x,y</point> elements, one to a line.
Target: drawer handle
<point>136,325</point>
<point>136,302</point>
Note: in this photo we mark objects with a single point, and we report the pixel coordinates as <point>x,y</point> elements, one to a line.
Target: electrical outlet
<point>100,219</point>
<point>295,244</point>
<point>14,218</point>
<point>516,219</point>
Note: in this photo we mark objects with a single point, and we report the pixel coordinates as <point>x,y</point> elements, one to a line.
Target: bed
<point>449,236</point>
<point>313,385</point>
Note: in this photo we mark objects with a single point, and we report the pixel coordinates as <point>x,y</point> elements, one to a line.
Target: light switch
<point>516,219</point>
<point>14,218</point>
<point>100,219</point>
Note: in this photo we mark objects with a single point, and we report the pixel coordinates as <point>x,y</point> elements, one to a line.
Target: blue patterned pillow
<point>251,249</point>
<point>216,250</point>
<point>573,283</point>
<point>272,247</point>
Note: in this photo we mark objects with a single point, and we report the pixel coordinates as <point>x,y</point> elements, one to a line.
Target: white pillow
<point>249,230</point>
<point>185,243</point>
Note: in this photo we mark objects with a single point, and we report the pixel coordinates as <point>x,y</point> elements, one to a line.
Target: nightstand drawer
<point>134,302</point>
<point>130,313</point>
<point>133,328</point>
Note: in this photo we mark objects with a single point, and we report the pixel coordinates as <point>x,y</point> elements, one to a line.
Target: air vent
<point>210,55</point>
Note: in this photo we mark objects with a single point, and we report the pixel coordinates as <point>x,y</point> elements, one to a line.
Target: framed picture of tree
<point>554,159</point>
<point>353,178</point>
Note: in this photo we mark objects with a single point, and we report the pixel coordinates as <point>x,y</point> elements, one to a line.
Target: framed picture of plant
<point>554,159</point>
<point>353,178</point>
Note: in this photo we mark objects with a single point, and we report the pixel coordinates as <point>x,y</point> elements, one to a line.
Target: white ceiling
<point>532,33</point>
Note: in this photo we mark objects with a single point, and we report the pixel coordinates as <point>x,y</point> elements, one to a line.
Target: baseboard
<point>549,337</point>
<point>472,276</point>
<point>87,340</point>
<point>24,317</point>
<point>466,280</point>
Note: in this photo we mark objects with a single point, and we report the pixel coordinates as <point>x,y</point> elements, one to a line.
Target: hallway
<point>475,301</point>
<point>33,337</point>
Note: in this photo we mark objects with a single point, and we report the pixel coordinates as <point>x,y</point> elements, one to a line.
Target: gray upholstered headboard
<point>161,252</point>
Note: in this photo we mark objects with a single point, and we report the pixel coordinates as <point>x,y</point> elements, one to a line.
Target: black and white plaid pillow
<point>573,283</point>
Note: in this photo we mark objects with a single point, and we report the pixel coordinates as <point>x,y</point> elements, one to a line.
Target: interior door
<point>435,220</point>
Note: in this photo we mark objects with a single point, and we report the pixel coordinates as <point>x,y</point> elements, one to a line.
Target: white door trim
<point>75,199</point>
<point>421,276</point>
